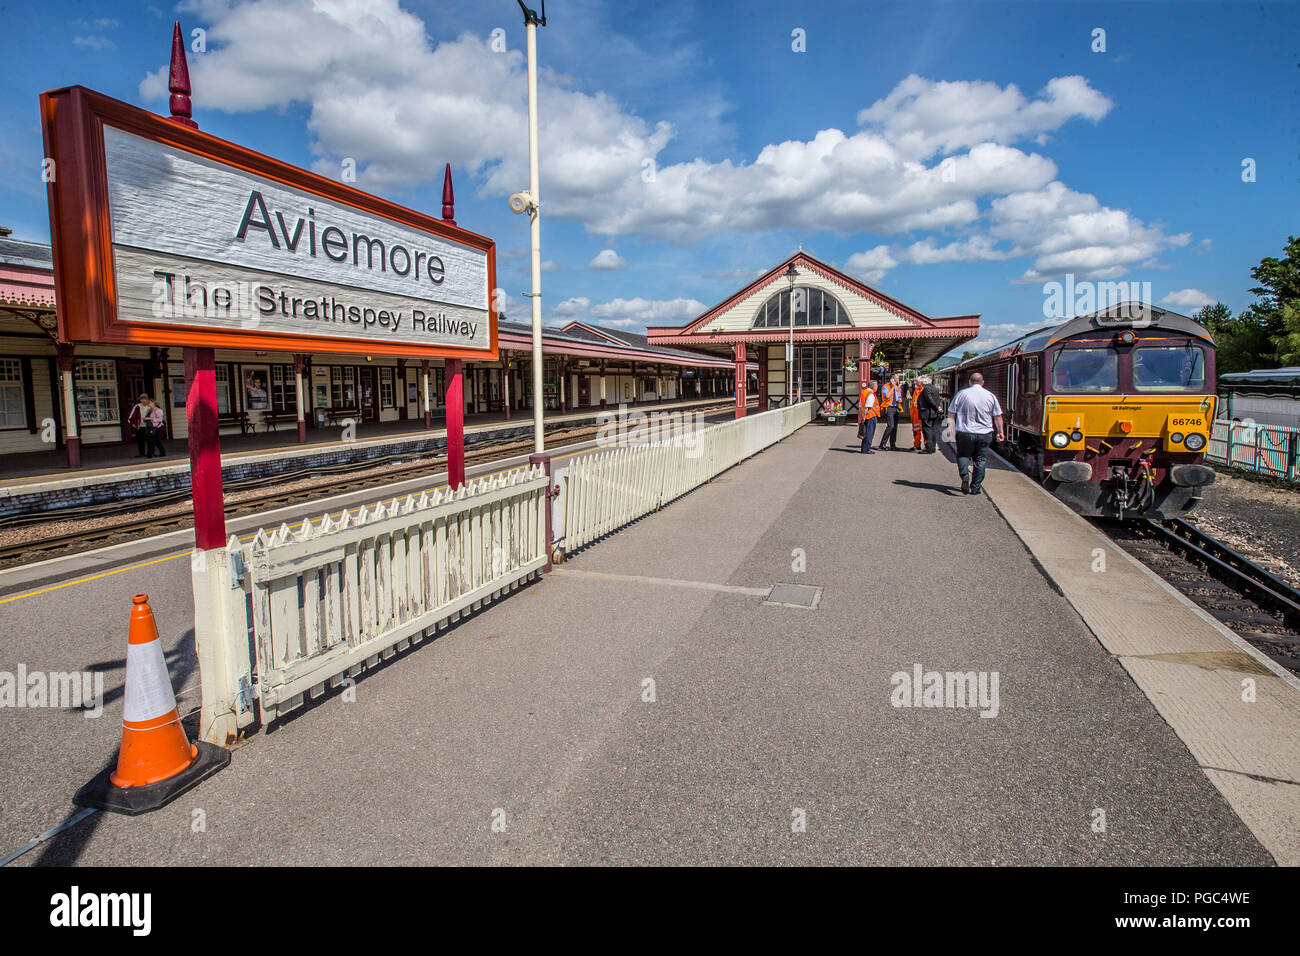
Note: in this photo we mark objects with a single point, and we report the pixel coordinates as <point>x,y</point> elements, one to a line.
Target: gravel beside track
<point>1260,520</point>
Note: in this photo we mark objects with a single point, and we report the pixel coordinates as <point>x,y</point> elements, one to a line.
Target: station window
<point>1176,368</point>
<point>223,389</point>
<point>811,307</point>
<point>95,385</point>
<point>343,387</point>
<point>386,387</point>
<point>13,412</point>
<point>284,388</point>
<point>819,370</point>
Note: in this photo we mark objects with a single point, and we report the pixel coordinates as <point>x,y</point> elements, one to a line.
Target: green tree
<point>1288,342</point>
<point>967,355</point>
<point>1266,334</point>
<point>1242,343</point>
<point>1279,279</point>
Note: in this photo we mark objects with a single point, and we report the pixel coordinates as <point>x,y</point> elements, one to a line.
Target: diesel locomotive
<point>1110,411</point>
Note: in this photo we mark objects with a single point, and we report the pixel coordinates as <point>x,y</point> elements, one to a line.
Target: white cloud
<point>974,248</point>
<point>923,117</point>
<point>378,89</point>
<point>992,336</point>
<point>626,313</point>
<point>549,265</point>
<point>606,261</point>
<point>570,309</point>
<point>1187,299</point>
<point>1070,232</point>
<point>871,266</point>
<point>630,313</point>
<point>95,42</point>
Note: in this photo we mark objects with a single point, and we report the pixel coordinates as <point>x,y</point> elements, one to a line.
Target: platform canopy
<point>836,308</point>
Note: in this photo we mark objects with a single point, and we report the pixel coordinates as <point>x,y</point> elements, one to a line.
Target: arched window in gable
<point>812,307</point>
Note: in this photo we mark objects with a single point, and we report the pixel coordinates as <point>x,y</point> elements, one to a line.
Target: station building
<point>586,366</point>
<point>837,320</point>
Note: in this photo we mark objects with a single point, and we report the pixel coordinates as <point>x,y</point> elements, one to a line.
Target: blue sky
<point>956,156</point>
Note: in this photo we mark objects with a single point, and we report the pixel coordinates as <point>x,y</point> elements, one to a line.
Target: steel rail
<point>1228,564</point>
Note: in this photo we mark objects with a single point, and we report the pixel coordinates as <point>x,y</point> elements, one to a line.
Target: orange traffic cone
<point>156,763</point>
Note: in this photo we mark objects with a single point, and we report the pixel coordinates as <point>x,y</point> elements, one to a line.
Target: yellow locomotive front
<point>1126,414</point>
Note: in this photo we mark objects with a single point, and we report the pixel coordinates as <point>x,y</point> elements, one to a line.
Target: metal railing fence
<point>1264,449</point>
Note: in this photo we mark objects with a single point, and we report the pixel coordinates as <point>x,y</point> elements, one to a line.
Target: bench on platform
<point>234,418</point>
<point>335,415</point>
<point>271,419</point>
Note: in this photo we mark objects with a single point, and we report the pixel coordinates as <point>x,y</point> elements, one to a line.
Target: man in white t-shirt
<point>976,415</point>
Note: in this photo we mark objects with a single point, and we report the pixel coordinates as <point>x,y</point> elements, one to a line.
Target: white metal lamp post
<point>791,276</point>
<point>530,202</point>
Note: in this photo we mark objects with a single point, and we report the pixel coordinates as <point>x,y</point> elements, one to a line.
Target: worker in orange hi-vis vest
<point>918,444</point>
<point>891,397</point>
<point>869,410</point>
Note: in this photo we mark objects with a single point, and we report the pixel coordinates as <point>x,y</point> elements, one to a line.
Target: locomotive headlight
<point>1076,435</point>
<point>1060,440</point>
<point>1195,441</point>
<point>1176,438</point>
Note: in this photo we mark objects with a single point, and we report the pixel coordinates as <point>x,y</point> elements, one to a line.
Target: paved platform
<point>771,733</point>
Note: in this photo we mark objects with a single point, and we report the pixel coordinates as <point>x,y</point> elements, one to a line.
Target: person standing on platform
<point>930,410</point>
<point>870,411</point>
<point>137,421</point>
<point>157,420</point>
<point>890,397</point>
<point>914,413</point>
<point>977,416</point>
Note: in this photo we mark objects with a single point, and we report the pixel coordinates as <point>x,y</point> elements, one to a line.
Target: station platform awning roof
<point>907,337</point>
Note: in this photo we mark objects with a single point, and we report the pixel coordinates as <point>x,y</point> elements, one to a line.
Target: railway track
<point>1258,606</point>
<point>171,511</point>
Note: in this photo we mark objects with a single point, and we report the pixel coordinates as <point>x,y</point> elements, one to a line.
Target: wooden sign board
<point>166,235</point>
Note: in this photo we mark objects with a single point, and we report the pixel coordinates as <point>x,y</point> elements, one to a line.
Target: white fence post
<point>221,642</point>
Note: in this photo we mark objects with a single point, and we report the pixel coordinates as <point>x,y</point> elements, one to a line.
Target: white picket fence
<point>294,611</point>
<point>311,606</point>
<point>1264,449</point>
<point>605,490</point>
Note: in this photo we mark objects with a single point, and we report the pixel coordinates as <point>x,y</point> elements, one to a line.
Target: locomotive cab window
<point>1179,367</point>
<point>1086,370</point>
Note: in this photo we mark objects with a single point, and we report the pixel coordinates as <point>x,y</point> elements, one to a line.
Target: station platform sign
<point>167,235</point>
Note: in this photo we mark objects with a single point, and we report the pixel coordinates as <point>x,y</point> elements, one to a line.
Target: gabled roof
<point>578,329</point>
<point>905,313</point>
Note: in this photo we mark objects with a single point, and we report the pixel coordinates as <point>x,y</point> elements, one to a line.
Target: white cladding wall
<point>1264,410</point>
<point>865,313</point>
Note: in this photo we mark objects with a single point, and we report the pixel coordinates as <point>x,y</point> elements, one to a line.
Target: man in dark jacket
<point>931,412</point>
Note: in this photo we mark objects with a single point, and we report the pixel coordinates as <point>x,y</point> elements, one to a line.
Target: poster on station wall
<point>165,235</point>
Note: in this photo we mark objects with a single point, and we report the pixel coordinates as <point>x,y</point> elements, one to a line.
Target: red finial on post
<point>448,199</point>
<point>178,82</point>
